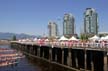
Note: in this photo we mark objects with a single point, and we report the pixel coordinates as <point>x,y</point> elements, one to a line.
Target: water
<point>24,64</point>
<point>31,64</point>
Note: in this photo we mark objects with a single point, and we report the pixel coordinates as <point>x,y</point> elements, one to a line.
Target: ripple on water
<point>23,64</point>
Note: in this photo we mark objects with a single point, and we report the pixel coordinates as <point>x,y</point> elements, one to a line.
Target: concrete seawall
<point>74,59</point>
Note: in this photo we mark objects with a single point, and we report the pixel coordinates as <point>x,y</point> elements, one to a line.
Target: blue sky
<point>32,16</point>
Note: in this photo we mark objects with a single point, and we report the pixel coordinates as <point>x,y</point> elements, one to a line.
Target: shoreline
<point>5,42</point>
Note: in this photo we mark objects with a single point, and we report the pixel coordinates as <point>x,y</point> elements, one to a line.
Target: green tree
<point>84,37</point>
<point>14,38</point>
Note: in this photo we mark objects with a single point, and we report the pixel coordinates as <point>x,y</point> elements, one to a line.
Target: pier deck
<point>80,57</point>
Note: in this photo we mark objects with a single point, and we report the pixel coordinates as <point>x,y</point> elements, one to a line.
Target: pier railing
<point>78,55</point>
<point>91,45</point>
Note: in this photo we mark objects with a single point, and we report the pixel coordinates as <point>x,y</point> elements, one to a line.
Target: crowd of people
<point>72,42</point>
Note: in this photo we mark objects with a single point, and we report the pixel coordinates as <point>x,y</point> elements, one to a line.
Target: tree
<point>14,38</point>
<point>84,37</point>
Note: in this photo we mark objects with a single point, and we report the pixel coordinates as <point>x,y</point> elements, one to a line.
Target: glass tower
<point>68,25</point>
<point>90,21</point>
<point>52,26</point>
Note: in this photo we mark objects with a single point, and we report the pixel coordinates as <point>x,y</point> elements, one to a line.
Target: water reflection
<point>31,64</point>
<point>23,65</point>
<point>11,60</point>
<point>46,66</point>
<point>9,56</point>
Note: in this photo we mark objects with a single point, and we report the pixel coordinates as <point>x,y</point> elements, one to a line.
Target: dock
<point>78,57</point>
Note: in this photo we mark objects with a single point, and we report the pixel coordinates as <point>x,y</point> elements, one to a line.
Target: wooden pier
<point>76,57</point>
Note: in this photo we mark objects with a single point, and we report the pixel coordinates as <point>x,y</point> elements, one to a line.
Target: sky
<point>32,16</point>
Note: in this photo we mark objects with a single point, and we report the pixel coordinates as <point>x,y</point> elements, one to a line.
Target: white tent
<point>73,38</point>
<point>95,37</point>
<point>102,38</point>
<point>35,39</point>
<point>63,39</point>
<point>106,38</point>
<point>23,40</point>
<point>19,40</point>
<point>39,40</point>
<point>46,40</point>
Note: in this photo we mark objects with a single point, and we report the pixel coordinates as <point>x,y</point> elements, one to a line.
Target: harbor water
<point>31,64</point>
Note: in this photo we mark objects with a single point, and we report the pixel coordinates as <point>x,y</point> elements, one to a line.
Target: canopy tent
<point>106,38</point>
<point>102,38</point>
<point>19,40</point>
<point>38,40</point>
<point>46,40</point>
<point>94,38</point>
<point>73,39</point>
<point>35,39</point>
<point>63,39</point>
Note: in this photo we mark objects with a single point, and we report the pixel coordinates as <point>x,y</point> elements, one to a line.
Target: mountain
<point>18,36</point>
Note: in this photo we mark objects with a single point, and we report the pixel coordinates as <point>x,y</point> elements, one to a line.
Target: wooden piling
<point>50,54</point>
<point>76,59</point>
<point>85,59</point>
<point>38,51</point>
<point>105,63</point>
<point>43,52</point>
<point>69,58</point>
<point>62,56</point>
<point>92,66</point>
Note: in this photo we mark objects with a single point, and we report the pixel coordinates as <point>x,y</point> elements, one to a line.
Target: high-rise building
<point>68,25</point>
<point>90,21</point>
<point>53,29</point>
